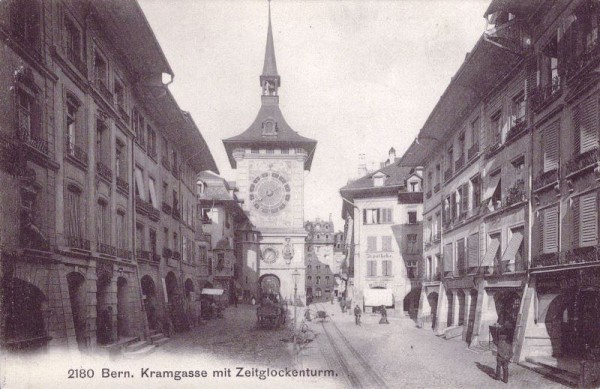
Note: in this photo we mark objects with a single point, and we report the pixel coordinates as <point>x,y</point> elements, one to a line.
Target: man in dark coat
<point>383,312</point>
<point>503,357</point>
<point>357,313</point>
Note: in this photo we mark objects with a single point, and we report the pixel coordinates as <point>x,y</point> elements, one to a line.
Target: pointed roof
<point>283,136</point>
<point>270,66</point>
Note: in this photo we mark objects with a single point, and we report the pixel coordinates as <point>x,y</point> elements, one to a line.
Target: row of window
<point>386,269</point>
<point>317,268</point>
<point>328,280</point>
<point>385,216</point>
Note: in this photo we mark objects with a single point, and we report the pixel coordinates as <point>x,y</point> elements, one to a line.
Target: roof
<point>396,176</point>
<point>178,126</point>
<point>517,7</point>
<point>270,65</point>
<point>132,35</point>
<point>216,187</point>
<point>480,72</point>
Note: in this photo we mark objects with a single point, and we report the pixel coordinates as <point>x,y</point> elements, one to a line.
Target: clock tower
<point>270,159</point>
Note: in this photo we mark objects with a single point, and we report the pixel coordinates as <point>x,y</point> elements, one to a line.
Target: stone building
<point>321,268</point>
<point>82,132</point>
<point>224,231</point>
<point>511,205</point>
<point>270,159</point>
<point>384,208</point>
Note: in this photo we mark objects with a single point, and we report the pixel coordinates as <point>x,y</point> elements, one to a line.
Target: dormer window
<point>378,179</point>
<point>269,127</point>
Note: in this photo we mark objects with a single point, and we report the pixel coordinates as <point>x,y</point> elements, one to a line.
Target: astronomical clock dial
<point>269,193</point>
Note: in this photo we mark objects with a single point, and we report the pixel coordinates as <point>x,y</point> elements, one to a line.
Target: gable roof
<point>396,177</point>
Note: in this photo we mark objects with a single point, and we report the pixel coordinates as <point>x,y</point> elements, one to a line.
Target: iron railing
<point>76,152</point>
<point>473,150</point>
<point>581,161</point>
<point>104,171</point>
<point>122,184</point>
<point>34,141</point>
<point>106,249</point>
<point>77,242</point>
<point>545,179</point>
<point>124,253</point>
<point>543,94</point>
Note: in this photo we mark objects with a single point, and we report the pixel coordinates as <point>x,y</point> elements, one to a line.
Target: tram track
<point>358,372</point>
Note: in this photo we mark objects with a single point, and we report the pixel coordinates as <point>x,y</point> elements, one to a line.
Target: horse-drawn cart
<point>271,313</point>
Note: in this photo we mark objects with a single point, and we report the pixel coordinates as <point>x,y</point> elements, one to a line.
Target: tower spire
<point>270,80</point>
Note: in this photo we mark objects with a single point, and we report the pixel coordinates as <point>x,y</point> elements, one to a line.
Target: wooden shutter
<point>588,131</point>
<point>577,127</point>
<point>460,256</point>
<point>448,264</point>
<point>364,216</point>
<point>551,147</point>
<point>464,197</point>
<point>371,244</point>
<point>588,220</point>
<point>550,230</point>
<point>473,250</point>
<point>531,80</point>
<point>576,220</point>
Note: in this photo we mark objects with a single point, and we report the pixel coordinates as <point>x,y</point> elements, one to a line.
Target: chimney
<point>362,165</point>
<point>392,155</point>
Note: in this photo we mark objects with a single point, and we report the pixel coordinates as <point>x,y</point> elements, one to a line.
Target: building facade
<point>385,209</point>
<point>81,133</point>
<point>321,268</point>
<point>270,159</point>
<point>514,181</point>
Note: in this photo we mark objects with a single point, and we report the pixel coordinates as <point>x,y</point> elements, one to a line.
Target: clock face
<point>269,255</point>
<point>269,192</point>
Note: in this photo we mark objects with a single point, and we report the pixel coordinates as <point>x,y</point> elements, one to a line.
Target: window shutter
<point>551,145</point>
<point>588,220</point>
<point>473,250</point>
<point>448,265</point>
<point>364,216</point>
<point>531,71</point>
<point>371,244</point>
<point>464,198</point>
<point>550,230</point>
<point>576,221</point>
<point>588,131</point>
<point>374,268</point>
<point>577,133</point>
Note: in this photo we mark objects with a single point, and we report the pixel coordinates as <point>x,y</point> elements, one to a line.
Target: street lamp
<point>295,276</point>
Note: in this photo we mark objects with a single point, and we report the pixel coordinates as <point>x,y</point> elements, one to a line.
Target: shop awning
<point>212,292</point>
<point>513,247</point>
<point>377,297</point>
<point>488,259</point>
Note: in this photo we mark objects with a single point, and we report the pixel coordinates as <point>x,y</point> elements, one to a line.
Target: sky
<point>357,76</point>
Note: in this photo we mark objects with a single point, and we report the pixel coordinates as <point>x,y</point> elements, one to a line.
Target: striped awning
<point>489,191</point>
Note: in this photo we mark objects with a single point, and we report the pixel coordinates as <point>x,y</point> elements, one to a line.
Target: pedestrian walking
<point>503,357</point>
<point>383,312</point>
<point>357,313</point>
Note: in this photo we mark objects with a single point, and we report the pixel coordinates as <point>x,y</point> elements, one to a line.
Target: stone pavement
<point>409,357</point>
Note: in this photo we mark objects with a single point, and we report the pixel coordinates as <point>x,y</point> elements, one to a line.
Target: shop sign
<point>379,256</point>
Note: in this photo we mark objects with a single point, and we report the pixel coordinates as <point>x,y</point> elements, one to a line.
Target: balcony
<point>176,255</point>
<point>75,152</point>
<point>584,62</point>
<point>165,163</point>
<point>581,162</point>
<point>545,94</point>
<point>76,242</point>
<point>433,277</point>
<point>107,249</point>
<point>123,113</point>
<point>448,174</point>
<point>153,213</point>
<point>124,253</point>
<point>580,255</point>
<point>155,257</point>
<point>517,128</point>
<point>428,194</point>
<point>152,153</point>
<point>143,254</point>
<point>436,188</point>
<point>166,208</point>
<point>104,171</point>
<point>493,149</point>
<point>473,151</point>
<point>35,142</point>
<point>176,213</point>
<point>516,194</point>
<point>75,59</point>
<point>167,253</point>
<point>547,259</point>
<point>459,163</point>
<point>543,180</point>
<point>512,34</point>
<point>103,89</point>
<point>123,185</point>
<point>141,206</point>
<point>437,237</point>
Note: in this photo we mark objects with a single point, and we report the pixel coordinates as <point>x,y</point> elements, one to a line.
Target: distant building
<point>383,211</point>
<point>321,267</point>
